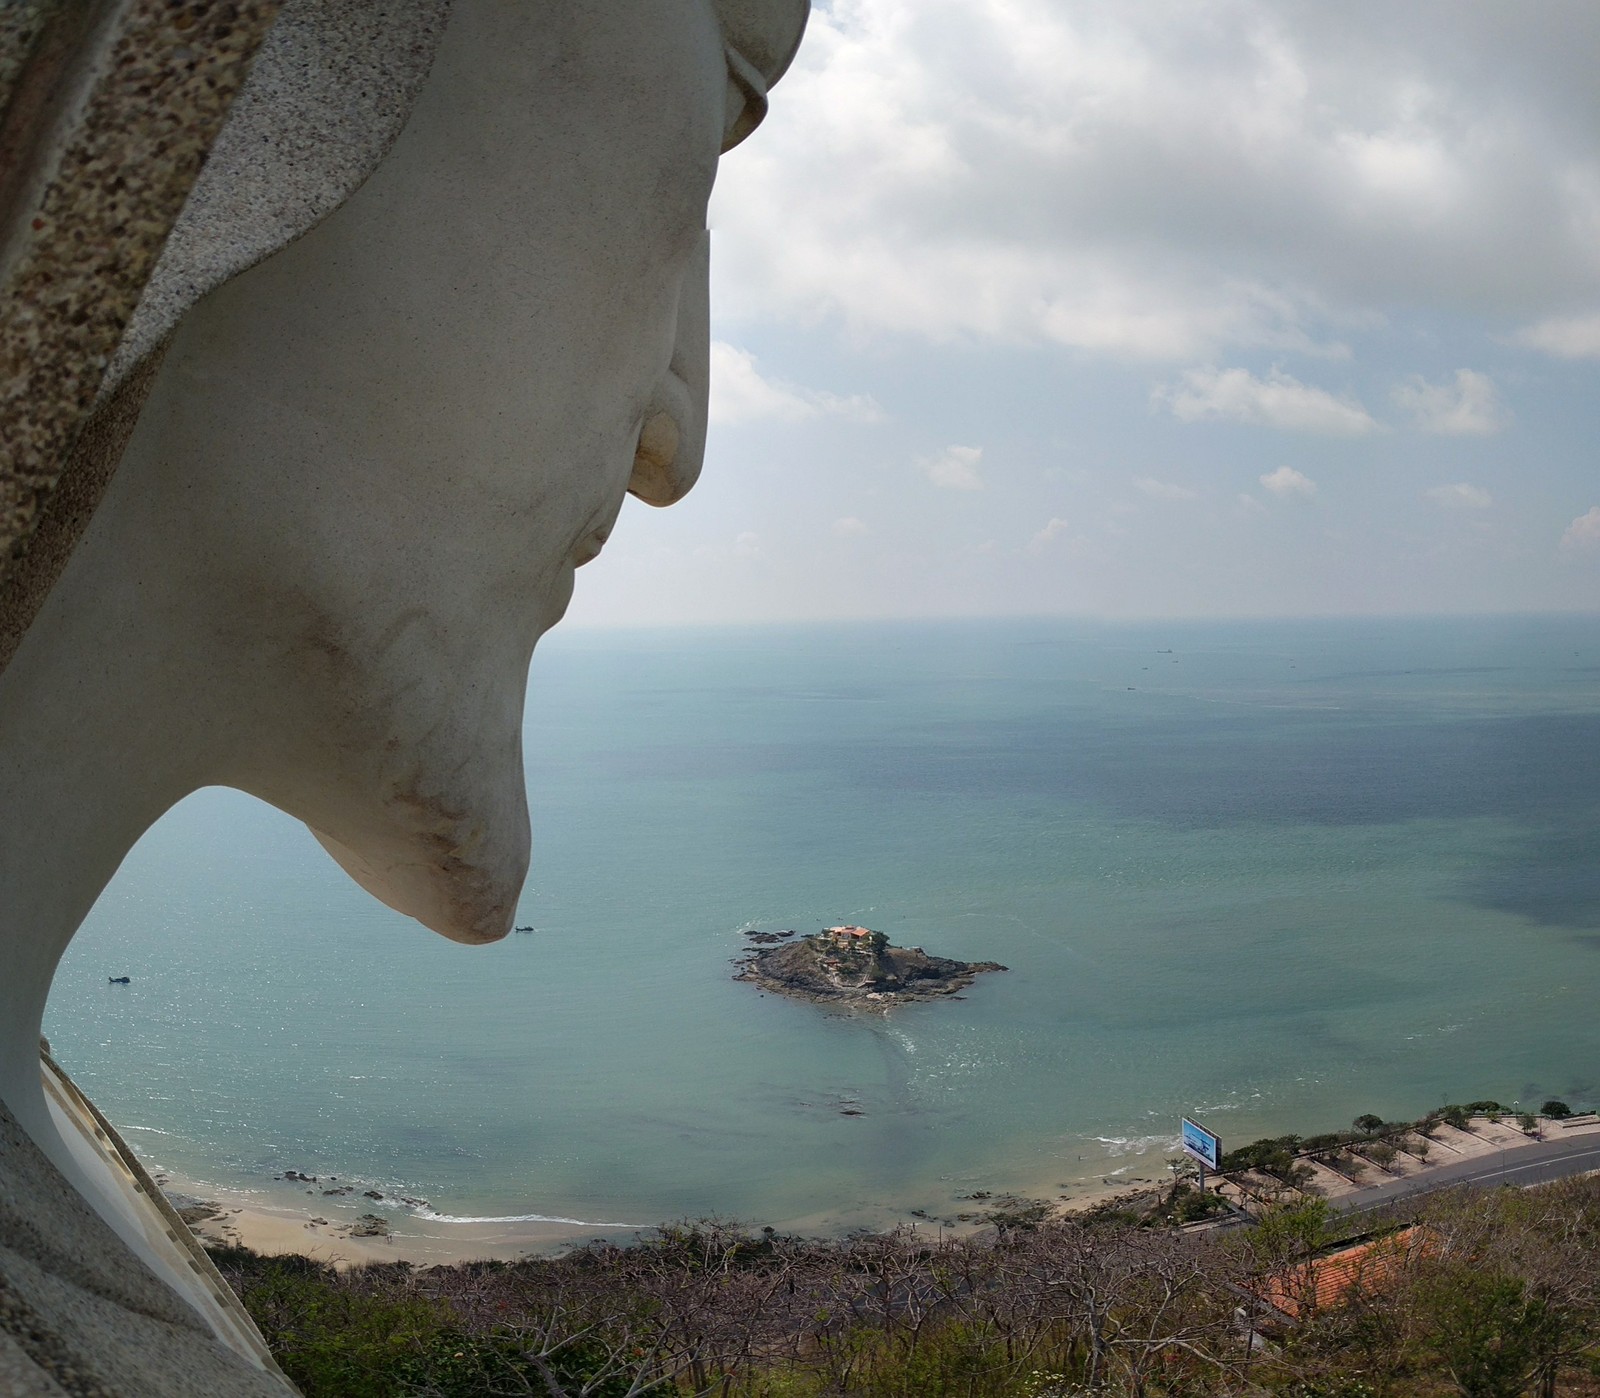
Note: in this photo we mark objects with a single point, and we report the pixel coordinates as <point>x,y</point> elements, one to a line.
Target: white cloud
<point>849,527</point>
<point>1167,181</point>
<point>1286,482</point>
<point>1250,505</point>
<point>747,544</point>
<point>1469,407</point>
<point>1583,532</point>
<point>1163,490</point>
<point>1279,400</point>
<point>1052,531</point>
<point>1460,496</point>
<point>739,393</point>
<point>1566,337</point>
<point>955,468</point>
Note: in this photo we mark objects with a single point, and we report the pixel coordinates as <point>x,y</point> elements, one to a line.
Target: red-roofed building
<point>1365,1268</point>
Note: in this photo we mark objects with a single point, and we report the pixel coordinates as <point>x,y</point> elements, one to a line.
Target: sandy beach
<point>329,1226</point>
<point>326,1229</point>
<point>328,1234</point>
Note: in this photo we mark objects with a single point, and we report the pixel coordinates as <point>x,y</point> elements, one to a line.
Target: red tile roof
<point>1343,1275</point>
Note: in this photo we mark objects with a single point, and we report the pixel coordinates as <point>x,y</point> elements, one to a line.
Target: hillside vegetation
<point>1500,1297</point>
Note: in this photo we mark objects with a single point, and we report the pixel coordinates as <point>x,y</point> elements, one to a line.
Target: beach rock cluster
<point>339,1190</point>
<point>855,965</point>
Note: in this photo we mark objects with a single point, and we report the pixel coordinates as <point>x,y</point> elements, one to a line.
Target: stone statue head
<point>367,466</point>
<point>434,305</point>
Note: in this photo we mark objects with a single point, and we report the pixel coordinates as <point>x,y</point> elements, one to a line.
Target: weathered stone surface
<point>110,110</point>
<point>84,1311</point>
<point>327,92</point>
<point>370,1226</point>
<point>352,446</point>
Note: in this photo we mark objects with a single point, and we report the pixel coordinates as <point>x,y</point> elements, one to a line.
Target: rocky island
<point>857,965</point>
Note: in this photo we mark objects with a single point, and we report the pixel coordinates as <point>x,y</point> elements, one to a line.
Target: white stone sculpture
<point>358,490</point>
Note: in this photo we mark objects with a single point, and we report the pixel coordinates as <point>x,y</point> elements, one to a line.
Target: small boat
<point>120,980</point>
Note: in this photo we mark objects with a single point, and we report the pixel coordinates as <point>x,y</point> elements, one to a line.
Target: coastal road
<point>1538,1162</point>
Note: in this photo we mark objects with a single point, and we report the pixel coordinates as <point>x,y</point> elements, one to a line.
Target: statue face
<point>387,448</point>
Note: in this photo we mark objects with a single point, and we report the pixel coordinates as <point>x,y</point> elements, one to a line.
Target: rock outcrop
<point>856,964</point>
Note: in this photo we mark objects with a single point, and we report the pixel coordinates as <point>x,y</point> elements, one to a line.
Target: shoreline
<point>316,1216</point>
<point>329,1229</point>
<point>323,1229</point>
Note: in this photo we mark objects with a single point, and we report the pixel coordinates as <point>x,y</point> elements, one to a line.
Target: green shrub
<point>332,1340</point>
<point>1191,1205</point>
<point>455,1364</point>
<point>1329,1140</point>
<point>951,1360</point>
<point>1334,1388</point>
<point>1487,1333</point>
<point>1272,1155</point>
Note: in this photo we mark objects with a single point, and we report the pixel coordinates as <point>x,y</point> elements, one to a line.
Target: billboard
<point>1202,1145</point>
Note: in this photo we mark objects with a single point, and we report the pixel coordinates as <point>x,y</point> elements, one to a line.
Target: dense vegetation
<point>1502,1298</point>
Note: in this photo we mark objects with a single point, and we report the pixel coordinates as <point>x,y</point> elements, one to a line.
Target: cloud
<point>747,544</point>
<point>848,528</point>
<point>1052,531</point>
<point>1286,482</point>
<point>1469,407</point>
<point>1236,395</point>
<point>1250,505</point>
<point>1583,532</point>
<point>1162,181</point>
<point>739,393</point>
<point>1163,490</point>
<point>1460,496</point>
<point>955,468</point>
<point>1566,337</point>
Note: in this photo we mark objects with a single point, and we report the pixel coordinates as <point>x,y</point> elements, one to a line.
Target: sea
<point>1267,874</point>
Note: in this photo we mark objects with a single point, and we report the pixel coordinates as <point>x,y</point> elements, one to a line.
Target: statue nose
<point>672,433</point>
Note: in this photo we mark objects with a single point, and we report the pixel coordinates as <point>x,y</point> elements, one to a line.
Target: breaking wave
<point>433,1217</point>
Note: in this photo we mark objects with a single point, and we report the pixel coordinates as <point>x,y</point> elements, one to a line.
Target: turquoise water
<point>1283,874</point>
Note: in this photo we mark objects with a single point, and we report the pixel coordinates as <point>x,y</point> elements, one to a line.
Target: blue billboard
<point>1202,1145</point>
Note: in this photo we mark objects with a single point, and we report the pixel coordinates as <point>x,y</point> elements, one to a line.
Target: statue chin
<point>456,874</point>
<point>383,391</point>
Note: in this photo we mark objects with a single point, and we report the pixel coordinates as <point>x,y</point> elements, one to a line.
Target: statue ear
<point>760,38</point>
<point>672,432</point>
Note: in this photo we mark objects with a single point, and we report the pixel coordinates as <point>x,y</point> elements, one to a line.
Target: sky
<point>1149,308</point>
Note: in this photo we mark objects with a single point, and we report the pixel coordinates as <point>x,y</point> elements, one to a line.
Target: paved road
<point>1535,1163</point>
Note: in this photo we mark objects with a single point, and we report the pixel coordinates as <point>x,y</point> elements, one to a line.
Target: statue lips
<point>364,570</point>
<point>588,548</point>
<point>596,530</point>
